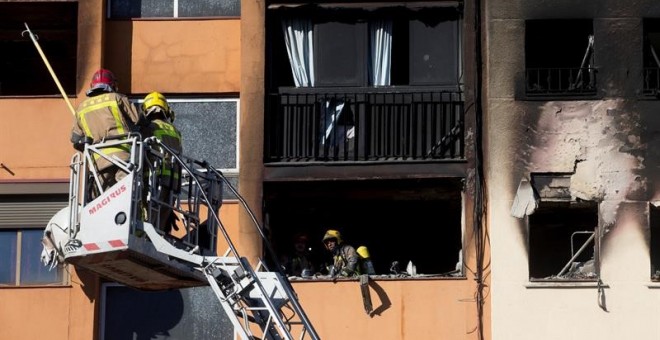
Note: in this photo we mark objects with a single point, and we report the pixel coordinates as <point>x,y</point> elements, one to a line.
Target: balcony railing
<point>651,81</point>
<point>322,125</point>
<point>560,81</point>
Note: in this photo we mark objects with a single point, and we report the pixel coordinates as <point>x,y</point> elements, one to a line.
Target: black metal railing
<point>560,81</point>
<point>651,81</point>
<point>312,125</point>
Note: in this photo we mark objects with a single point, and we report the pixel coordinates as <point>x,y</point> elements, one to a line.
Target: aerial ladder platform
<point>118,234</point>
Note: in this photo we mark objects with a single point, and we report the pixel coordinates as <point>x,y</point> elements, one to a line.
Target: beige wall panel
<point>56,313</point>
<point>175,56</point>
<point>423,309</point>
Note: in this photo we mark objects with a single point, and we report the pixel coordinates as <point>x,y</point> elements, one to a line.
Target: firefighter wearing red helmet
<point>104,113</point>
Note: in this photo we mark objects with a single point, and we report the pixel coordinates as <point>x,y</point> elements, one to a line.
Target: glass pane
<point>32,271</point>
<point>7,256</point>
<point>208,130</point>
<point>124,9</point>
<point>209,8</point>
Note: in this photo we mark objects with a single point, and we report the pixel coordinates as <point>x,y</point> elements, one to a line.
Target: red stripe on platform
<point>91,246</point>
<point>116,243</point>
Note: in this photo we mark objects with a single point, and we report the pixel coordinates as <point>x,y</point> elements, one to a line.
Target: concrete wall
<point>608,145</point>
<point>175,56</point>
<point>422,309</point>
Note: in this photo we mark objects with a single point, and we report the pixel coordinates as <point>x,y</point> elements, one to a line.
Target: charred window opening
<point>563,232</point>
<point>651,73</point>
<point>398,221</point>
<point>22,71</point>
<point>654,224</point>
<point>559,58</point>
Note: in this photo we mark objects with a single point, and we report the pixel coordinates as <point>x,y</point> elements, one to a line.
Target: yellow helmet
<point>155,100</point>
<point>363,252</point>
<point>332,234</point>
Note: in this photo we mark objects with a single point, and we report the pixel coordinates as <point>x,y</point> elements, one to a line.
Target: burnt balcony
<point>651,82</point>
<point>364,125</point>
<point>560,82</point>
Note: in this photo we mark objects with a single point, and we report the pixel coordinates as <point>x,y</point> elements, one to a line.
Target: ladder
<point>118,233</point>
<point>247,295</point>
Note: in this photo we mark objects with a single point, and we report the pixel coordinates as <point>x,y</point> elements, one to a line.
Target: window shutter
<point>32,212</point>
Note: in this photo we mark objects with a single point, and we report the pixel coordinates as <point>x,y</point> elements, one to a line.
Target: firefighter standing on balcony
<point>105,114</point>
<point>160,118</point>
<point>344,257</point>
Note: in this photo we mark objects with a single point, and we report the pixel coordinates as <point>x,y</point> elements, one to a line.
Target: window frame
<point>175,14</point>
<point>277,79</point>
<point>649,25</point>
<point>230,172</point>
<point>62,268</point>
<point>60,45</point>
<point>552,192</point>
<point>315,230</point>
<point>563,92</point>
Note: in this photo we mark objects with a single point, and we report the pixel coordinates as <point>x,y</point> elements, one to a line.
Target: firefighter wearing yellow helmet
<point>167,172</point>
<point>344,256</point>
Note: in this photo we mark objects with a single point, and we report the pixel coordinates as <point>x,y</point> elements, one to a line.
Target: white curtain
<point>380,37</point>
<point>299,46</point>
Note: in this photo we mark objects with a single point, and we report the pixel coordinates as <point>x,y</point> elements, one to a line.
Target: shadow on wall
<point>118,51</point>
<point>184,314</point>
<point>385,302</point>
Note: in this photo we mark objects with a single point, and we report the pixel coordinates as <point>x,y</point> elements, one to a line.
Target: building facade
<point>190,51</point>
<point>571,132</point>
<point>360,117</point>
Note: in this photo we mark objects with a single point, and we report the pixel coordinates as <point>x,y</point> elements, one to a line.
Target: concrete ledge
<point>564,284</point>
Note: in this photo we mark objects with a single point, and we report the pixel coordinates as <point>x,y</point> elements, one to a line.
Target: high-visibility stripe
<point>97,104</point>
<point>165,129</point>
<point>109,151</point>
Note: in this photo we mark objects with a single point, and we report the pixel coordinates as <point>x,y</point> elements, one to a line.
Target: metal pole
<point>50,69</point>
<point>584,246</point>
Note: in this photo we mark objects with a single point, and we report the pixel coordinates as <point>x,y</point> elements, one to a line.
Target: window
<point>209,130</point>
<point>562,233</point>
<point>399,221</point>
<point>654,224</point>
<point>124,9</point>
<point>22,221</point>
<point>22,71</point>
<point>651,73</point>
<point>191,313</point>
<point>559,58</point>
<point>328,47</point>
<point>20,262</point>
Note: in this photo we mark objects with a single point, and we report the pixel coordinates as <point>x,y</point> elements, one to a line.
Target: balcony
<point>307,125</point>
<point>651,82</point>
<point>560,82</point>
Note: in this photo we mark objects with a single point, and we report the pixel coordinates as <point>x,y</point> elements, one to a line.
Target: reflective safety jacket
<point>103,115</point>
<point>171,137</point>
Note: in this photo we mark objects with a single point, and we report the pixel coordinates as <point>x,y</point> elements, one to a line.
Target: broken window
<point>125,9</point>
<point>22,71</point>
<point>562,233</point>
<point>408,226</point>
<point>350,47</point>
<point>654,224</point>
<point>559,58</point>
<point>651,73</point>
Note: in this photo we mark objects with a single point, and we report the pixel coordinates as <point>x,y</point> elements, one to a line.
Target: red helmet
<point>103,76</point>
